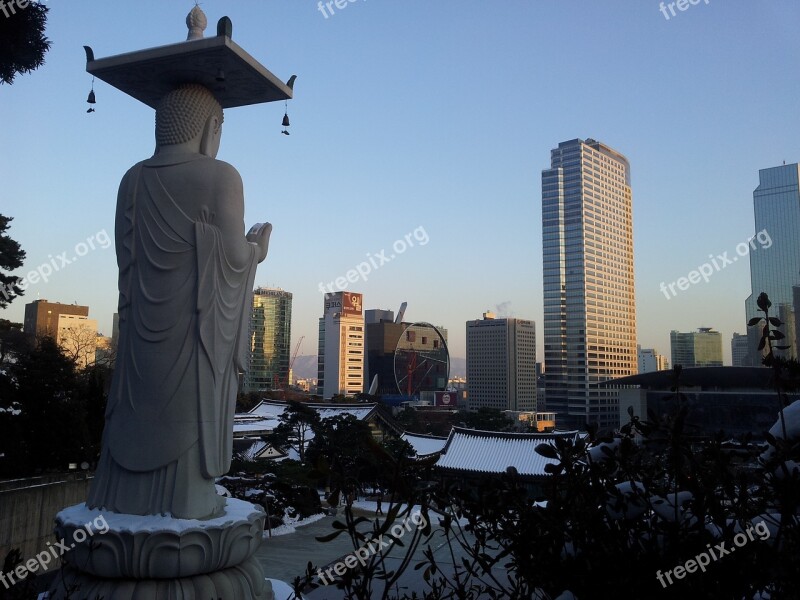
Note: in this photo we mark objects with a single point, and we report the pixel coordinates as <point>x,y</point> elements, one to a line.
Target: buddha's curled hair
<point>182,114</point>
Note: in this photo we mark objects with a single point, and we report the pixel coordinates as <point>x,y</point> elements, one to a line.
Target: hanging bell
<point>91,99</point>
<point>285,120</point>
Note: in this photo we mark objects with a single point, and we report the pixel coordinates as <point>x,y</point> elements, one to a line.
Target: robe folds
<point>184,304</point>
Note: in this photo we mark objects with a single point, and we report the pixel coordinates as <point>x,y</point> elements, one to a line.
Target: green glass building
<point>701,348</point>
<point>775,253</point>
<point>269,340</point>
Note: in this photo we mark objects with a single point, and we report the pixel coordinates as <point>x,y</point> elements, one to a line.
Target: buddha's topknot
<point>183,112</point>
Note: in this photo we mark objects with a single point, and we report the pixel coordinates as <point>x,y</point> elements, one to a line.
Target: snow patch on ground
<point>290,525</point>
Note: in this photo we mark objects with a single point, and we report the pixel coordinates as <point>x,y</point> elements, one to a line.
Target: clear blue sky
<point>440,115</point>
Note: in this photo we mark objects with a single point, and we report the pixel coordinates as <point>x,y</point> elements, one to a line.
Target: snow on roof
<point>266,416</point>
<point>493,452</point>
<point>425,444</point>
<point>254,450</point>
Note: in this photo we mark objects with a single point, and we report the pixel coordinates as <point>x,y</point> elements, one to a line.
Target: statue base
<point>243,582</point>
<point>131,557</point>
<point>113,545</point>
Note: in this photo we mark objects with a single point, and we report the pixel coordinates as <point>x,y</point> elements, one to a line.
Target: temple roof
<point>470,450</point>
<point>425,444</point>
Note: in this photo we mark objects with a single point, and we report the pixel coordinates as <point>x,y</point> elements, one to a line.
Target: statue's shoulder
<point>227,178</point>
<point>135,168</point>
<point>129,175</point>
<point>224,169</point>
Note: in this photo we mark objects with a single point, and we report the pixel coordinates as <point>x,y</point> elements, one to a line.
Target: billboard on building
<point>347,303</point>
<point>446,398</point>
<point>351,304</point>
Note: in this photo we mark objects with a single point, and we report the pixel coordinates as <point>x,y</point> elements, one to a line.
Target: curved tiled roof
<point>425,445</point>
<point>470,450</point>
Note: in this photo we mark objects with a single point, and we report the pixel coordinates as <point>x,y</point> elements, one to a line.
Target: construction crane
<point>291,364</point>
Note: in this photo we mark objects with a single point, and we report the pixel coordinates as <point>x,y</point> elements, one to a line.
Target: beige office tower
<point>340,368</point>
<point>501,364</point>
<point>589,302</point>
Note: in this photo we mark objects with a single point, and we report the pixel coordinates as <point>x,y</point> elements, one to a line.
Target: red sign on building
<point>351,304</point>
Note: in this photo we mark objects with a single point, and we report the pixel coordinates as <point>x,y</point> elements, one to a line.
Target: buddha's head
<point>191,115</point>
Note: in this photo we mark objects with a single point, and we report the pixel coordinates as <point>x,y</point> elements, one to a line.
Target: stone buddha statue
<point>186,271</point>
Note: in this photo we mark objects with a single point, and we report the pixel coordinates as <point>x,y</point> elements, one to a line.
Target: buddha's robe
<point>184,303</point>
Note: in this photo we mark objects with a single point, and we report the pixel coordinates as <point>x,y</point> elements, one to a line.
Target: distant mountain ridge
<point>305,367</point>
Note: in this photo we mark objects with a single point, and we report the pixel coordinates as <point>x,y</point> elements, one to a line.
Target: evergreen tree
<point>51,430</point>
<point>22,40</point>
<point>340,449</point>
<point>11,257</point>
<point>298,423</point>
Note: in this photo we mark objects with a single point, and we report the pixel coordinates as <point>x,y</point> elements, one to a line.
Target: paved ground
<point>285,557</point>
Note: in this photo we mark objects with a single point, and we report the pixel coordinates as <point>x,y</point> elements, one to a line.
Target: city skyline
<point>392,129</point>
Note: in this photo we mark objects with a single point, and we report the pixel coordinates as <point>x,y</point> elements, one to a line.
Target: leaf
<point>329,537</point>
<point>546,450</point>
<point>754,321</point>
<point>553,469</point>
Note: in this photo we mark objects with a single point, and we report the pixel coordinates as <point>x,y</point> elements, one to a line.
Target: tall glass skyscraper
<point>775,268</point>
<point>589,303</point>
<point>270,338</point>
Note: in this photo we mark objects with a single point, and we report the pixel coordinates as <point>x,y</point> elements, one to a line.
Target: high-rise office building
<point>270,336</point>
<point>41,317</point>
<point>68,324</point>
<point>501,364</point>
<point>775,267</point>
<point>589,302</point>
<point>389,346</point>
<point>796,304</point>
<point>650,360</point>
<point>701,348</point>
<point>382,335</point>
<point>340,356</point>
<point>739,350</point>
